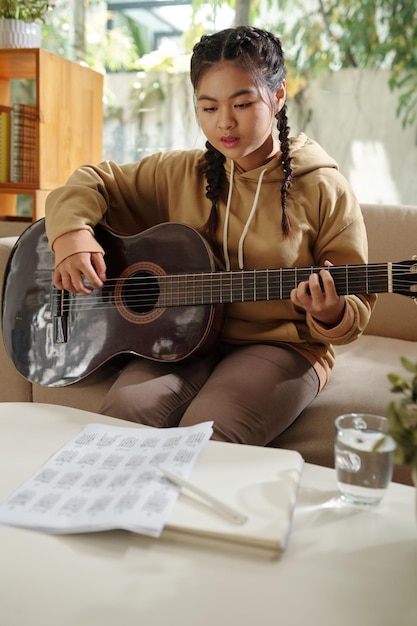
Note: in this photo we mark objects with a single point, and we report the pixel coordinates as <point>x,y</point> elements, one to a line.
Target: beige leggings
<point>251,392</point>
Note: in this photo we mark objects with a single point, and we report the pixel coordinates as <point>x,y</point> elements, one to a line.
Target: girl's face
<point>236,117</point>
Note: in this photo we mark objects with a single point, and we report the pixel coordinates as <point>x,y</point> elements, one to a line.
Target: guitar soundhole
<point>140,292</point>
<point>137,292</point>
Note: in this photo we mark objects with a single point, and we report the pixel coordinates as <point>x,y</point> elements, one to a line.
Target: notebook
<point>260,482</point>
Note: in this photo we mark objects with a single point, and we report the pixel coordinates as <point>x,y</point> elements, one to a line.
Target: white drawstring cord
<point>226,218</point>
<point>248,221</point>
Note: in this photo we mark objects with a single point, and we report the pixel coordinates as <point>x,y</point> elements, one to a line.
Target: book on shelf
<point>5,138</point>
<point>24,129</point>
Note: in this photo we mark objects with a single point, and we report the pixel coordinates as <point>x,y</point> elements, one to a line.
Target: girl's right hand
<point>81,272</point>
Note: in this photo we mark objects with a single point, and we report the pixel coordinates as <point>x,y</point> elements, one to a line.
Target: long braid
<point>284,131</point>
<point>213,168</point>
<point>260,53</point>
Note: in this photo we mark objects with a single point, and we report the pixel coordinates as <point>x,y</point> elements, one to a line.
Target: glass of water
<point>363,457</point>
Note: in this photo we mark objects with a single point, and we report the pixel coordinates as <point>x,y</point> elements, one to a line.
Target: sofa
<point>359,380</point>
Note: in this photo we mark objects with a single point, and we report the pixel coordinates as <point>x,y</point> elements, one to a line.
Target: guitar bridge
<point>60,329</point>
<point>60,315</point>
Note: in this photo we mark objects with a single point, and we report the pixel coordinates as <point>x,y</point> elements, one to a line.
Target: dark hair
<point>260,53</point>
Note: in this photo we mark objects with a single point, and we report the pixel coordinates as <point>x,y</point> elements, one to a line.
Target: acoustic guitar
<point>163,300</point>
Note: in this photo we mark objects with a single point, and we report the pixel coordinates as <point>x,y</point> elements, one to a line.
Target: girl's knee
<point>115,404</point>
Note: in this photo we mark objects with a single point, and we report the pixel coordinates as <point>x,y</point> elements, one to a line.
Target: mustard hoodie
<point>326,221</point>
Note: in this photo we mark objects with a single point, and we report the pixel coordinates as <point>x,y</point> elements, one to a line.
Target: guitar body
<point>51,349</point>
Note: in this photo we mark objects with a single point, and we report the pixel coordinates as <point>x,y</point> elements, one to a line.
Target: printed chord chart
<point>107,477</point>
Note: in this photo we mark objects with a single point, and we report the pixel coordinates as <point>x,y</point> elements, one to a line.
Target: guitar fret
<point>213,287</point>
<point>379,282</point>
<point>274,282</point>
<point>175,290</point>
<point>192,288</point>
<point>162,299</point>
<point>247,291</point>
<point>248,286</point>
<point>177,294</point>
<point>262,286</point>
<point>227,287</point>
<point>288,281</point>
<point>189,289</point>
<point>200,289</point>
<point>217,289</point>
<point>198,295</point>
<point>168,292</point>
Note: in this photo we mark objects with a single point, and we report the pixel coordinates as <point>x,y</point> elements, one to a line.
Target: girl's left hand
<point>318,297</point>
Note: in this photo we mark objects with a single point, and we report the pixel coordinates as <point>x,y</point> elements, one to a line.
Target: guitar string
<point>200,281</point>
<point>258,274</point>
<point>78,302</point>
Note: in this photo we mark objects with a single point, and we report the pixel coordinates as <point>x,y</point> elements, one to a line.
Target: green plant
<point>402,414</point>
<point>25,10</point>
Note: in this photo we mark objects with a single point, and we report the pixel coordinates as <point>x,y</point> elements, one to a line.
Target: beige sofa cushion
<point>358,384</point>
<point>392,236</point>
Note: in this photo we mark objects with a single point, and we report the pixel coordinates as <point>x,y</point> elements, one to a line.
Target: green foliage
<point>116,52</point>
<point>405,80</point>
<point>25,10</point>
<point>118,49</point>
<point>139,35</point>
<point>402,414</point>
<point>205,17</point>
<point>335,34</point>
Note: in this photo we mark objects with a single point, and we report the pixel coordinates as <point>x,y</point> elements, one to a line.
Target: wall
<point>352,113</point>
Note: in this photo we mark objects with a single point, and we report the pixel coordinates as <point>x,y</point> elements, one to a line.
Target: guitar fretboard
<point>263,285</point>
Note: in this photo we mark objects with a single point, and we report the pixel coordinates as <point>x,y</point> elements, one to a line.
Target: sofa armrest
<point>13,387</point>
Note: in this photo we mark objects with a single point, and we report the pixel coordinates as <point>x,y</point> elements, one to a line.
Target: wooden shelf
<point>70,112</point>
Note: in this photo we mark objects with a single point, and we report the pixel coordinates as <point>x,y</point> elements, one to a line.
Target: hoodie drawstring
<point>248,221</point>
<point>226,217</point>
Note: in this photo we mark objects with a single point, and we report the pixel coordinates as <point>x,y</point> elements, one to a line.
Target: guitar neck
<point>271,284</point>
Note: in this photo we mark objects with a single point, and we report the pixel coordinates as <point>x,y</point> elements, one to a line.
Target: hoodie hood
<point>307,156</point>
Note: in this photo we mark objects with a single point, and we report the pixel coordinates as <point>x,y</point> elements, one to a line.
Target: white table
<point>344,566</point>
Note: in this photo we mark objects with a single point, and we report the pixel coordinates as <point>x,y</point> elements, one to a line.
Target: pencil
<point>218,505</point>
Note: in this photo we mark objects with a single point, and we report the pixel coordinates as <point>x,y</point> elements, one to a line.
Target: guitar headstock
<point>404,278</point>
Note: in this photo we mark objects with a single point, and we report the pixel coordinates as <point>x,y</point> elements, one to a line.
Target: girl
<point>264,200</point>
